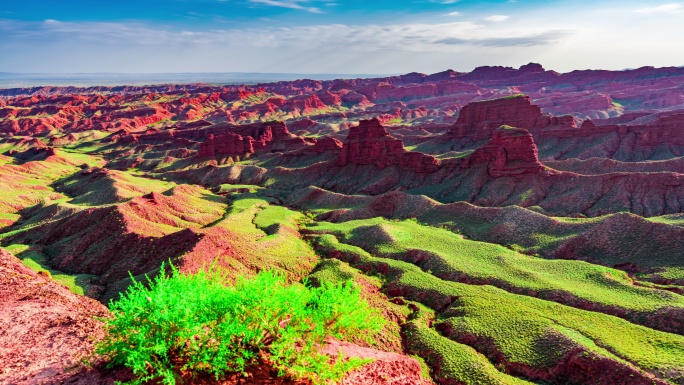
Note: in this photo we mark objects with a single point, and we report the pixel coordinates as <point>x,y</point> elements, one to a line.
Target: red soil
<point>45,330</point>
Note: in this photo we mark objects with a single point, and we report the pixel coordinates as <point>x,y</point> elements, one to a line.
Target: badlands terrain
<point>514,226</point>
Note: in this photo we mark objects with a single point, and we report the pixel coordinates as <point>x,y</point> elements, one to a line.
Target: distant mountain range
<point>18,80</point>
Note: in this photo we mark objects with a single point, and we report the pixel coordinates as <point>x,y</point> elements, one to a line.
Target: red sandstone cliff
<point>369,143</point>
<point>226,144</point>
<point>478,120</point>
<point>510,152</point>
<point>326,144</point>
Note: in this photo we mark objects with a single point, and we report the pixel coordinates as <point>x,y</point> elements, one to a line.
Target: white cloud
<point>628,39</point>
<point>416,37</point>
<point>291,4</point>
<point>453,14</point>
<point>673,8</point>
<point>521,40</point>
<point>496,18</point>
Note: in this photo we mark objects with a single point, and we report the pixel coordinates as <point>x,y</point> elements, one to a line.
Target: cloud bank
<point>609,37</point>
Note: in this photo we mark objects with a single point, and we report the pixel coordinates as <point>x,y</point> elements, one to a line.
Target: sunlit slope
<point>450,257</point>
<point>652,248</point>
<point>524,335</point>
<point>25,184</point>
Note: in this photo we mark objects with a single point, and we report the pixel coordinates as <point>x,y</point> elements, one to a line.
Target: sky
<point>336,36</point>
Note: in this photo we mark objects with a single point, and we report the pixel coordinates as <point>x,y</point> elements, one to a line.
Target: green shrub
<point>193,324</point>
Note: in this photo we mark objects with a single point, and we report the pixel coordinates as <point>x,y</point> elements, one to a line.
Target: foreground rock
<point>45,330</point>
<point>387,368</point>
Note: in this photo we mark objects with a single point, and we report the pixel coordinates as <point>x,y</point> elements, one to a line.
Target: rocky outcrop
<point>326,144</point>
<point>46,329</point>
<point>510,152</point>
<point>369,143</point>
<point>283,140</point>
<point>387,92</point>
<point>239,140</point>
<point>304,105</point>
<point>303,124</point>
<point>386,368</point>
<point>330,99</point>
<point>478,120</point>
<point>228,144</point>
<point>635,138</point>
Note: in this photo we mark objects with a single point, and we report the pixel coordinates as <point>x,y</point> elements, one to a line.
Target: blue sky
<point>336,36</point>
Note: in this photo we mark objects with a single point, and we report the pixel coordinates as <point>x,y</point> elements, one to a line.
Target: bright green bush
<point>195,324</point>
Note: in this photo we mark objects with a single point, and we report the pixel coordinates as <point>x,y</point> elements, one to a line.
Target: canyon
<point>513,225</point>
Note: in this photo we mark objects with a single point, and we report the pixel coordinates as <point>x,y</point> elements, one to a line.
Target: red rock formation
<point>283,140</point>
<point>304,105</point>
<point>263,139</point>
<point>326,144</point>
<point>330,98</point>
<point>302,124</point>
<point>451,87</point>
<point>369,143</point>
<point>532,67</point>
<point>510,152</point>
<point>478,120</point>
<point>229,144</point>
<point>350,97</point>
<point>565,120</point>
<point>588,125</point>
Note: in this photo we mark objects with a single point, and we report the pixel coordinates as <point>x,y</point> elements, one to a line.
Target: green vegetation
<point>336,272</point>
<point>511,328</point>
<point>673,275</point>
<point>36,261</point>
<point>454,361</point>
<point>231,188</point>
<point>672,219</point>
<point>477,294</point>
<point>449,256</point>
<point>111,187</point>
<point>194,324</point>
<point>513,96</point>
<point>267,236</point>
<point>27,184</point>
<point>544,332</point>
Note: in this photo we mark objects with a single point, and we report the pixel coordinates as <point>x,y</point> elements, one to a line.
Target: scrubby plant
<point>191,324</point>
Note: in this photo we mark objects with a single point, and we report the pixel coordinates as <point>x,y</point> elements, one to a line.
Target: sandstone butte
<point>273,136</point>
<point>369,143</point>
<point>478,120</point>
<point>510,151</point>
<point>628,138</point>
